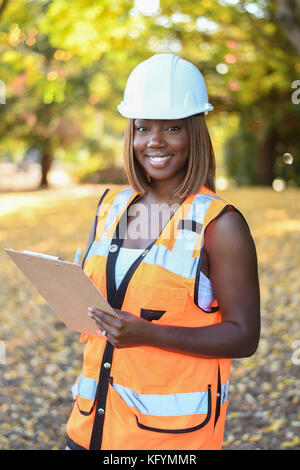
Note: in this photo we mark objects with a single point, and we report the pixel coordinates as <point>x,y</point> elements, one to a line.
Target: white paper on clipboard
<point>64,286</point>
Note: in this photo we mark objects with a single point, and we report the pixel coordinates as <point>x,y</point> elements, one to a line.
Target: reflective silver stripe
<point>160,255</point>
<point>100,247</point>
<point>177,404</point>
<point>185,242</point>
<point>85,387</point>
<point>118,204</point>
<point>205,292</point>
<point>74,391</point>
<point>224,392</point>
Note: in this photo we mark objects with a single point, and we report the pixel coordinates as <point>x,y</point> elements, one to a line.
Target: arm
<point>233,272</point>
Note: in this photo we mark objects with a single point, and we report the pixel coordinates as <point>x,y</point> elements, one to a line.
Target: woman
<point>178,265</point>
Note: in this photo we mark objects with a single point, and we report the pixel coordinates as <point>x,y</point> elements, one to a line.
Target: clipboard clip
<point>42,255</point>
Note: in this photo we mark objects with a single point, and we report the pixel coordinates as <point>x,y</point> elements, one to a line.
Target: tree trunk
<point>3,5</point>
<point>46,164</point>
<point>287,15</point>
<point>266,159</point>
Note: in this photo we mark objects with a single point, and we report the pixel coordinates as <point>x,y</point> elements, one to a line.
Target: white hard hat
<point>164,87</point>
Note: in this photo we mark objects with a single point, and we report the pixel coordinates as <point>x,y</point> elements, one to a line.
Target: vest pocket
<point>173,413</point>
<point>84,392</point>
<point>162,304</point>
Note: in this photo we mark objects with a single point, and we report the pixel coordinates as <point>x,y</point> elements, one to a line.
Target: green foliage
<point>240,152</point>
<point>60,62</point>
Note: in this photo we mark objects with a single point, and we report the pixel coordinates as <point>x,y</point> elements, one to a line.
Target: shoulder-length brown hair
<point>200,167</point>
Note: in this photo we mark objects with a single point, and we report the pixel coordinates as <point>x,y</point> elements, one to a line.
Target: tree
<point>288,16</point>
<point>75,62</point>
<point>53,80</point>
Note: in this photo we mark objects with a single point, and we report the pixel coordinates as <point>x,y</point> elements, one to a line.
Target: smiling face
<point>161,148</point>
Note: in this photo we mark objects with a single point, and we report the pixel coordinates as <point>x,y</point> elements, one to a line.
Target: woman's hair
<point>200,166</point>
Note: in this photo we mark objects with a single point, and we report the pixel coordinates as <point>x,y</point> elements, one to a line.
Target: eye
<point>141,129</point>
<point>174,128</point>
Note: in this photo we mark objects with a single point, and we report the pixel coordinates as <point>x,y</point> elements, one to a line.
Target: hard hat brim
<point>139,114</point>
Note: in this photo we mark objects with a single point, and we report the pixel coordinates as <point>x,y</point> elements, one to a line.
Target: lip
<point>159,164</point>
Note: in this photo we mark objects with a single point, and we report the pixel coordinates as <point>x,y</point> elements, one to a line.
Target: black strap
<point>115,298</point>
<point>218,404</point>
<point>101,394</point>
<point>93,230</point>
<point>188,224</point>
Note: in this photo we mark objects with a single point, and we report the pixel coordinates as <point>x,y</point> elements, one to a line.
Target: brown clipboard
<point>65,287</point>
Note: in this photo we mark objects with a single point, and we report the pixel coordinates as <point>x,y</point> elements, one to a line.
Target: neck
<point>161,190</point>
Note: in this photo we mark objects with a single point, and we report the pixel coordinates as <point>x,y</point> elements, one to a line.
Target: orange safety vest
<point>146,397</point>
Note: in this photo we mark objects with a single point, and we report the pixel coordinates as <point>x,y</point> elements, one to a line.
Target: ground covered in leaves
<point>40,358</point>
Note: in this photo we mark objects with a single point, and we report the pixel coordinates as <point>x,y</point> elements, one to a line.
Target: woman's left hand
<point>123,331</point>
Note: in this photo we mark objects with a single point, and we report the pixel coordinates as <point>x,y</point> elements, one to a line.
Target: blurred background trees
<point>65,64</point>
<point>63,68</point>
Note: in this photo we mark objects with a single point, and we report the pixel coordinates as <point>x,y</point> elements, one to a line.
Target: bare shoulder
<point>228,231</point>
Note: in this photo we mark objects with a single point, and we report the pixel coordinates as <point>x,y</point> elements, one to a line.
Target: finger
<point>101,313</point>
<point>104,329</point>
<point>96,318</point>
<point>102,316</point>
<point>107,321</point>
<point>101,331</point>
<point>120,313</point>
<point>102,324</point>
<point>94,311</point>
<point>93,317</point>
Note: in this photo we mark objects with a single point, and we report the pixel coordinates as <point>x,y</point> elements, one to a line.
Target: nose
<point>156,139</point>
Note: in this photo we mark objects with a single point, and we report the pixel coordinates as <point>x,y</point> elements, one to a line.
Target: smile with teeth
<point>160,158</point>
